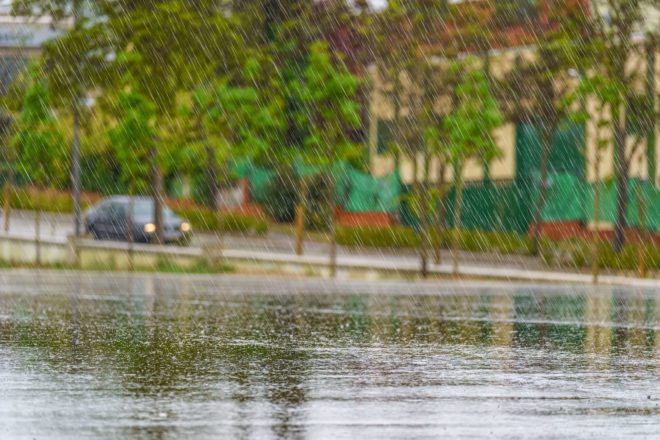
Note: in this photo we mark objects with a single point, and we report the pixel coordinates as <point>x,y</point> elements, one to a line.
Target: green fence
<point>356,191</point>
<point>510,207</point>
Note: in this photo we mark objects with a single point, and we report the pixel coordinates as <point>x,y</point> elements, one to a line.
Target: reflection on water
<point>167,357</point>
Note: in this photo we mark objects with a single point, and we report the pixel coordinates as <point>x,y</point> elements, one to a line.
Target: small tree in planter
<point>469,127</point>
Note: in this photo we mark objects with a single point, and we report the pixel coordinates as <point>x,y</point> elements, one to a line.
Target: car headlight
<point>149,228</point>
<point>185,227</point>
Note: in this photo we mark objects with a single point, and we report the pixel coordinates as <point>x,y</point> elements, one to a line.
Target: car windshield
<point>145,208</point>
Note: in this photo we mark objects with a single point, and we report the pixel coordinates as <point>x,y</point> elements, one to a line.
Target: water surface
<point>175,357</point>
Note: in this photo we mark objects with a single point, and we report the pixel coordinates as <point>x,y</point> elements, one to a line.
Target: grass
<point>162,266</point>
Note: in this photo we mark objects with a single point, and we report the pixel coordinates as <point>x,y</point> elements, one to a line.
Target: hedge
<point>578,253</point>
<point>380,237</point>
<point>575,253</point>
<point>406,237</point>
<point>203,219</point>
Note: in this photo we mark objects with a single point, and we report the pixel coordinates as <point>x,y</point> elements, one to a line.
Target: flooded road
<point>175,357</point>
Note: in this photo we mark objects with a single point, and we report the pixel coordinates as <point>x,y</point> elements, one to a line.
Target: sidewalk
<point>406,265</point>
<point>277,248</point>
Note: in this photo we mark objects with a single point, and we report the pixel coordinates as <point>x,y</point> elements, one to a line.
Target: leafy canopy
<point>470,124</point>
<point>327,94</point>
<point>38,141</point>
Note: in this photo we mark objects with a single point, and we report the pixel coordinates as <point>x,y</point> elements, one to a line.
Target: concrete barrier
<point>107,255</point>
<point>91,254</point>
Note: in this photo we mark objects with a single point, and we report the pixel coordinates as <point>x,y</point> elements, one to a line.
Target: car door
<point>99,220</point>
<point>117,221</point>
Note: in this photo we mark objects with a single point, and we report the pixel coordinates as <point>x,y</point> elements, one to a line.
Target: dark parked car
<point>108,219</point>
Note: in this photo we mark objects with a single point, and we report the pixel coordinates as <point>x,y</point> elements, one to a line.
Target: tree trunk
<point>212,176</point>
<point>424,220</point>
<point>621,168</point>
<point>416,207</point>
<point>220,217</point>
<point>333,226</point>
<point>458,202</point>
<point>546,145</point>
<point>650,93</point>
<point>596,239</point>
<point>75,170</point>
<point>440,213</point>
<point>211,166</point>
<point>157,194</point>
<point>300,215</point>
<point>641,207</point>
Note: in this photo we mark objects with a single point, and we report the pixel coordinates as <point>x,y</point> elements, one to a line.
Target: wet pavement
<point>176,357</point>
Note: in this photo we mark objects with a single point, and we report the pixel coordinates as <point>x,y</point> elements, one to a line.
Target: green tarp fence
<point>570,199</point>
<point>356,191</point>
<point>510,207</point>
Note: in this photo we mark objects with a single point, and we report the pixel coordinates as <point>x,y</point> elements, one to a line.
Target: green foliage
<point>44,200</point>
<point>134,138</point>
<point>319,206</point>
<point>327,94</point>
<point>578,253</point>
<point>282,195</point>
<point>395,237</point>
<point>38,142</point>
<point>203,219</point>
<point>470,124</point>
<point>244,117</point>
<point>406,237</point>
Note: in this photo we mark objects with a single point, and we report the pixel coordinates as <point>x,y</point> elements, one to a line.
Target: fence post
<point>73,251</point>
<point>212,255</point>
<point>37,236</point>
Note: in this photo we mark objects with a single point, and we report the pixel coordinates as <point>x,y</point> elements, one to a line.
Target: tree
<point>38,141</point>
<point>133,138</point>
<point>469,127</point>
<point>615,24</point>
<point>72,64</point>
<point>444,80</point>
<point>327,94</point>
<point>404,61</point>
<point>165,56</point>
<point>541,84</point>
<point>234,118</point>
<point>603,93</point>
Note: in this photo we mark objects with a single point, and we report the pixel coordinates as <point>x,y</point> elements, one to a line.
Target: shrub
<point>281,196</point>
<point>49,200</point>
<point>577,252</point>
<point>318,210</point>
<point>241,223</point>
<point>45,200</point>
<point>381,237</point>
<point>204,219</point>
